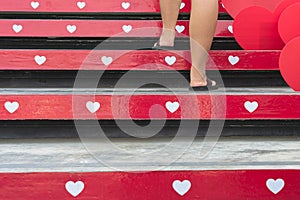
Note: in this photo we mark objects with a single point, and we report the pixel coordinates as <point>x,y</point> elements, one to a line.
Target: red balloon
<point>234,7</point>
<point>283,5</point>
<point>288,24</point>
<point>256,28</point>
<point>289,64</point>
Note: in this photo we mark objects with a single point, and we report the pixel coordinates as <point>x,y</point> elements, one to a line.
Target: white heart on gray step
<point>172,106</point>
<point>71,28</point>
<point>180,28</point>
<point>81,5</point>
<point>17,28</point>
<point>11,107</point>
<point>182,187</point>
<point>106,60</point>
<point>74,188</point>
<point>170,60</point>
<point>127,28</point>
<point>182,5</point>
<point>125,5</point>
<point>40,59</point>
<point>35,4</point>
<point>233,60</point>
<point>251,106</point>
<point>93,106</point>
<point>275,186</point>
<point>230,28</point>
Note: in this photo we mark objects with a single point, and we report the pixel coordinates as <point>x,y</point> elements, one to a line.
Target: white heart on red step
<point>275,186</point>
<point>93,106</point>
<point>125,5</point>
<point>71,28</point>
<point>106,60</point>
<point>127,28</point>
<point>222,5</point>
<point>182,5</point>
<point>230,29</point>
<point>182,187</point>
<point>233,60</point>
<point>180,28</point>
<point>251,106</point>
<point>17,28</point>
<point>172,106</point>
<point>74,188</point>
<point>40,59</point>
<point>170,60</point>
<point>81,4</point>
<point>11,107</point>
<point>35,4</point>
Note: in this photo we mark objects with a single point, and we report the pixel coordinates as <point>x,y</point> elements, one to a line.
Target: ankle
<point>198,73</point>
<point>167,37</point>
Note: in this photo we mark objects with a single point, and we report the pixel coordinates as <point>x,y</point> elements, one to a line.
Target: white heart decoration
<point>35,4</point>
<point>106,60</point>
<point>230,29</point>
<point>17,28</point>
<point>74,188</point>
<point>172,106</point>
<point>81,5</point>
<point>170,60</point>
<point>275,186</point>
<point>125,5</point>
<point>40,59</point>
<point>180,28</point>
<point>233,60</point>
<point>182,5</point>
<point>251,106</point>
<point>222,5</point>
<point>11,106</point>
<point>127,28</point>
<point>182,187</point>
<point>71,28</point>
<point>92,106</point>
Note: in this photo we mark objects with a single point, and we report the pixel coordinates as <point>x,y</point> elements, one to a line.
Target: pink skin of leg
<point>203,21</point>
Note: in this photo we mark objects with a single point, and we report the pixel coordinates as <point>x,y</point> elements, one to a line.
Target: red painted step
<point>239,105</point>
<point>212,185</point>
<point>88,6</point>
<point>130,60</point>
<point>95,28</point>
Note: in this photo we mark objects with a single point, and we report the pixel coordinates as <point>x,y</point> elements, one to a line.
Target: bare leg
<point>169,14</point>
<point>204,15</point>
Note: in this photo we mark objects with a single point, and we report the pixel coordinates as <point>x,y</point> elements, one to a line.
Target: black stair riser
<point>17,129</point>
<point>130,43</point>
<point>97,16</point>
<point>65,79</point>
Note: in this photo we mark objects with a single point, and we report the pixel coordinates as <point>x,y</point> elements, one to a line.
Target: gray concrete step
<point>68,155</point>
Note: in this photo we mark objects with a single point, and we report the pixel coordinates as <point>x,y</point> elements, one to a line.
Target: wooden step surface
<point>98,28</point>
<point>196,185</point>
<point>124,103</point>
<point>73,6</point>
<point>101,59</point>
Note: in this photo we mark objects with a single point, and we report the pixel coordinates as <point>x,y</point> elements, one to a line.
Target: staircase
<point>89,111</point>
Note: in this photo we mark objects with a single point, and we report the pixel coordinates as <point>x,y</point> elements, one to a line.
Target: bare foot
<point>198,78</point>
<point>202,83</point>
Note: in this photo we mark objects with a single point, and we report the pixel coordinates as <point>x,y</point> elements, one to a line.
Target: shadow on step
<point>67,129</point>
<point>65,79</point>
